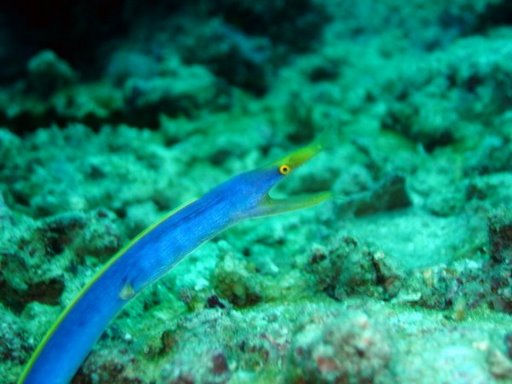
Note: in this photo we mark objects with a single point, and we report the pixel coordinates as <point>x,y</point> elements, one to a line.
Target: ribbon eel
<point>151,254</point>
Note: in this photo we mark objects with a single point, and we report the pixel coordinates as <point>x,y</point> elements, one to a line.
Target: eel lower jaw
<point>271,206</point>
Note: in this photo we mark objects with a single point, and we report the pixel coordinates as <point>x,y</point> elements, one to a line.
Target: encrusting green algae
<point>405,276</point>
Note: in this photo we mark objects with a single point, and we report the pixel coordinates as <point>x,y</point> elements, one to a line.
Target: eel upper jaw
<point>270,205</point>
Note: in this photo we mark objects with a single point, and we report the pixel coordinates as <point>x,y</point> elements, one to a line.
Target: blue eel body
<point>150,255</point>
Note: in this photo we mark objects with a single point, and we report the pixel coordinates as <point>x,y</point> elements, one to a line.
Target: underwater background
<point>112,113</point>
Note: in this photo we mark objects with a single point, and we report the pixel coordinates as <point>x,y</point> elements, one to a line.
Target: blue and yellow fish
<point>151,254</point>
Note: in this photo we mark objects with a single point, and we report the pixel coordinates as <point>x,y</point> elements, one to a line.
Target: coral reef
<point>113,113</point>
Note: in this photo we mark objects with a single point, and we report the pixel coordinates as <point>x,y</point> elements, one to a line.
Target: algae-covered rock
<point>234,280</point>
<point>182,93</point>
<point>48,73</point>
<point>500,242</point>
<point>500,236</point>
<point>39,259</point>
<point>349,268</point>
<point>348,348</point>
<point>454,95</point>
<point>242,60</point>
<point>13,344</point>
<point>10,145</point>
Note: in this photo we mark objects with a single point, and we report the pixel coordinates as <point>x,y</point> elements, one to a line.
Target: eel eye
<point>284,169</point>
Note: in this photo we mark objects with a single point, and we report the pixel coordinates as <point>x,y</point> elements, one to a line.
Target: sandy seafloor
<point>113,113</point>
